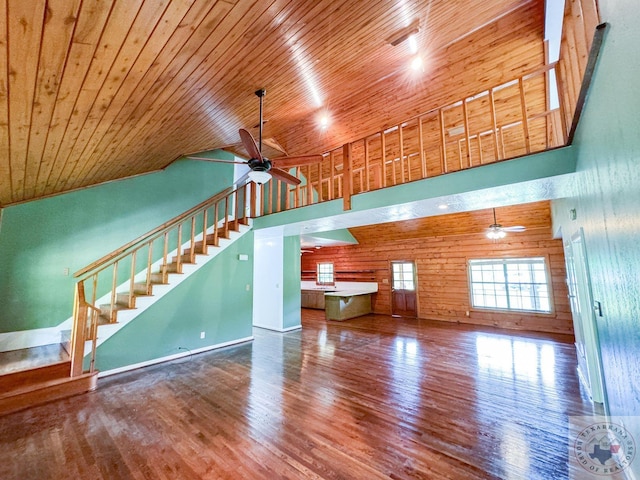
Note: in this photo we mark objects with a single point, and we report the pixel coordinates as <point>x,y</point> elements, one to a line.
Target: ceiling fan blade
<point>288,162</point>
<point>250,144</point>
<point>217,160</point>
<point>284,176</point>
<point>515,228</point>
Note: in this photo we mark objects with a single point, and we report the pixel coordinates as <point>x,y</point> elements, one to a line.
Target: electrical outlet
<point>201,334</point>
<point>248,287</point>
<point>65,271</point>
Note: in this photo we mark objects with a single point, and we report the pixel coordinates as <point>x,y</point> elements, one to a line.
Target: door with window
<point>403,289</point>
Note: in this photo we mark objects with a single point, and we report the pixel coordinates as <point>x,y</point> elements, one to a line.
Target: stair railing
<point>130,270</point>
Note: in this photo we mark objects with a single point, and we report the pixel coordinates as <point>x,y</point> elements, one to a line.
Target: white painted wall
<point>267,279</point>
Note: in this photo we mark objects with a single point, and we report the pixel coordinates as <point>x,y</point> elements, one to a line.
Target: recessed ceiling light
<point>443,206</point>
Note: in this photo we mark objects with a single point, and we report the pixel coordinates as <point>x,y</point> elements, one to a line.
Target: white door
<point>584,320</point>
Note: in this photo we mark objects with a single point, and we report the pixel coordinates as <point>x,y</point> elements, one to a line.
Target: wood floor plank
<point>374,397</point>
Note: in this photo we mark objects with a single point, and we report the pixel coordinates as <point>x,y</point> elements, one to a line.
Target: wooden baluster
<point>296,198</point>
<point>254,199</point>
<point>564,126</point>
<point>443,144</point>
<point>278,188</point>
<point>347,178</point>
<point>132,280</point>
<point>332,170</point>
<point>114,284</point>
<point>423,162</point>
<point>309,186</point>
<point>216,233</point>
<point>494,125</point>
<point>205,221</point>
<point>226,216</point>
<point>165,254</point>
<point>287,195</point>
<point>525,116</point>
<point>460,154</point>
<point>179,250</point>
<point>366,167</point>
<point>401,153</point>
<point>149,264</point>
<point>235,210</point>
<point>467,136</point>
<point>192,240</point>
<point>480,148</point>
<point>383,156</point>
<point>320,180</point>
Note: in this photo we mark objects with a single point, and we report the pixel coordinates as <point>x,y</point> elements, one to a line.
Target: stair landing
<point>28,358</point>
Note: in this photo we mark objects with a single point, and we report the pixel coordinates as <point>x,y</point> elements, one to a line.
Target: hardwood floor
<point>373,397</point>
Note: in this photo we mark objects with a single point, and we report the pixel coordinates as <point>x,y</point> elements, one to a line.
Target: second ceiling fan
<point>497,231</point>
<point>262,168</point>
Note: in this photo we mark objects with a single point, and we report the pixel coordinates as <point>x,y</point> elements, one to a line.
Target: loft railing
<point>532,113</point>
<point>505,121</point>
<point>131,270</point>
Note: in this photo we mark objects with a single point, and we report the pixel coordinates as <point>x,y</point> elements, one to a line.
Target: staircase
<point>117,288</point>
<point>164,278</point>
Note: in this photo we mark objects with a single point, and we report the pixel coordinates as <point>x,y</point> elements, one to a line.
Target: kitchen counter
<point>346,304</point>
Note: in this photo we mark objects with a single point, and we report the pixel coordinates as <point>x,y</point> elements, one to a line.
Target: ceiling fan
<point>262,168</point>
<point>497,231</point>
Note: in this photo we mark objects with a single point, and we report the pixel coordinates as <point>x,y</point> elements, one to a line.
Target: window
<point>403,278</point>
<point>324,274</point>
<point>510,284</point>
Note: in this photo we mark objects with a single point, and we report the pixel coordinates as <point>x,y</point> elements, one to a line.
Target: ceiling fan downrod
<point>260,93</point>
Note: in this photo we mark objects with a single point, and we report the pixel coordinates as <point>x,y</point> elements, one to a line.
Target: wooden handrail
<point>168,225</point>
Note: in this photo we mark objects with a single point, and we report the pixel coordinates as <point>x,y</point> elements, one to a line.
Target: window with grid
<point>324,274</point>
<point>510,284</point>
<point>403,278</point>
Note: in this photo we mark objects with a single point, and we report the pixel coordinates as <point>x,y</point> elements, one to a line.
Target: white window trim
<point>513,260</point>
<point>333,274</point>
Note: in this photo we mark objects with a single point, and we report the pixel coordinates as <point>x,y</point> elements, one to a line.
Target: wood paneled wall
<point>441,247</point>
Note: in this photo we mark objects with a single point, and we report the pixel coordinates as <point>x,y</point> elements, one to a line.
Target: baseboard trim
<point>175,356</point>
<point>279,330</point>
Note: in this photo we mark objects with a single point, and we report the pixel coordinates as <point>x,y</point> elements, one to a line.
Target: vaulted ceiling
<point>96,90</point>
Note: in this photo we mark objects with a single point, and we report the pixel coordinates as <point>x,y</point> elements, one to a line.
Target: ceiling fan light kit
<point>259,176</point>
<point>497,231</point>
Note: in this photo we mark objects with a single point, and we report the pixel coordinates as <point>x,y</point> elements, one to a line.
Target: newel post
<point>79,330</point>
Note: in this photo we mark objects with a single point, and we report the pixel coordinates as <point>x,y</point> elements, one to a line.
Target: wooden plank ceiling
<point>532,216</point>
<point>97,90</point>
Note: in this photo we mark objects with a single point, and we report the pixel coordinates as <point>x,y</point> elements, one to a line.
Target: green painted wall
<point>607,201</point>
<point>291,282</point>
<point>39,239</point>
<point>532,167</point>
<point>214,300</point>
<point>342,235</point>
